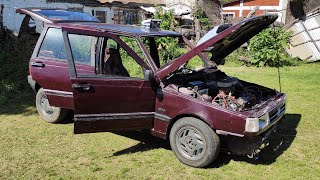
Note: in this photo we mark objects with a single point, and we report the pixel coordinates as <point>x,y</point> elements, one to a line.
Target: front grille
<point>276,113</point>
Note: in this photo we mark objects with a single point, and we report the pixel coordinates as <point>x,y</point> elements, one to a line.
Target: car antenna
<point>277,54</point>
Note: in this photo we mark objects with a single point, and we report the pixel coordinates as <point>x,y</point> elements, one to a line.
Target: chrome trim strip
<point>58,93</point>
<point>267,126</point>
<point>228,133</point>
<point>280,103</point>
<point>113,116</point>
<point>162,117</point>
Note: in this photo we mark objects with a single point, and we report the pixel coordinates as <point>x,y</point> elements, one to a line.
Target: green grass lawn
<point>33,149</point>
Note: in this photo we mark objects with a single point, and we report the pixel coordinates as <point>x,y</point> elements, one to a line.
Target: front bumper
<point>270,116</point>
<point>252,142</point>
<point>248,145</point>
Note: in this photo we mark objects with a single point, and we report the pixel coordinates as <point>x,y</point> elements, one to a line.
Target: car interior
<point>112,63</point>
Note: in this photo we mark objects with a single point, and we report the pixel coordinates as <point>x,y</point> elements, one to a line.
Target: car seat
<point>113,63</point>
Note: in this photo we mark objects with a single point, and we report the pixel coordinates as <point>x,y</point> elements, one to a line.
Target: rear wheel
<point>194,142</point>
<point>48,113</point>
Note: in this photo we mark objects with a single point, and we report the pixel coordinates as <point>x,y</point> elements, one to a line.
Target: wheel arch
<point>37,87</point>
<point>176,118</point>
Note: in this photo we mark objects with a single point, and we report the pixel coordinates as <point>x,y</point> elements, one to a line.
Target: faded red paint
<point>236,3</point>
<point>258,12</point>
<point>251,3</point>
<point>261,3</point>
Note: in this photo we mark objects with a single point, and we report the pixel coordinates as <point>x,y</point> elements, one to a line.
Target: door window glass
<point>53,45</point>
<point>164,49</point>
<point>83,50</point>
<point>133,44</point>
<point>117,61</point>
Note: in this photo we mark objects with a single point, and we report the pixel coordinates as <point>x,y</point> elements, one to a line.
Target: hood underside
<point>224,43</point>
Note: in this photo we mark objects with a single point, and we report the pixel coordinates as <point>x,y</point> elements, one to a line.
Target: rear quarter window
<point>52,45</point>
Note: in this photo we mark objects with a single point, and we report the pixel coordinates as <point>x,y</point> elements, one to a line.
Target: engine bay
<point>214,86</point>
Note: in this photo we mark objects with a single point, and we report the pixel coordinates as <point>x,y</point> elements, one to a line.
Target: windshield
<point>164,49</point>
<point>64,15</point>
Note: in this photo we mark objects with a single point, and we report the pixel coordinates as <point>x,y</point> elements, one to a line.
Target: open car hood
<point>223,43</point>
<point>56,15</point>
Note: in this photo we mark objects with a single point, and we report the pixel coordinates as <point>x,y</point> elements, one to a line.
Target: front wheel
<point>193,142</point>
<point>47,112</point>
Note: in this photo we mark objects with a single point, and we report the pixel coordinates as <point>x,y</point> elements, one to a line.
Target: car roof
<point>55,15</point>
<point>120,29</point>
<point>52,17</point>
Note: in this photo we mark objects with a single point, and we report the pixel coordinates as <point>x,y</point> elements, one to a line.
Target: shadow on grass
<point>19,103</point>
<point>24,104</point>
<point>147,142</point>
<point>280,141</point>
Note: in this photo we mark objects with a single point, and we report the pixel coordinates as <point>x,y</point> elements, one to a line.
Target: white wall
<point>12,20</point>
<point>182,5</point>
<point>190,3</point>
<point>109,12</point>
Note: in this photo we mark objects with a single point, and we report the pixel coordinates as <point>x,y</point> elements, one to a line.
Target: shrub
<point>268,48</point>
<point>12,75</point>
<point>168,47</point>
<point>239,57</point>
<point>205,22</point>
<point>168,21</point>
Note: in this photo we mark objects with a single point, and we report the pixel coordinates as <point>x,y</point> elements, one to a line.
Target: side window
<point>83,50</point>
<point>117,62</point>
<point>53,45</point>
<point>163,50</point>
<point>112,44</point>
<point>133,44</point>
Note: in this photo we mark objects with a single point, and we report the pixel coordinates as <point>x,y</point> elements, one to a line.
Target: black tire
<point>48,113</point>
<point>193,142</point>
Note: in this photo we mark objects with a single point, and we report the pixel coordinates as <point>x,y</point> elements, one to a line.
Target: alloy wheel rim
<point>190,143</point>
<point>45,106</point>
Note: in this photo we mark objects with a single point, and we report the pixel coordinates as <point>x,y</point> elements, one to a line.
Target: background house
<point>113,12</point>
<point>241,8</point>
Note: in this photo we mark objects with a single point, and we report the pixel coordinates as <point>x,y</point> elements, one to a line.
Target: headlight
<point>252,125</point>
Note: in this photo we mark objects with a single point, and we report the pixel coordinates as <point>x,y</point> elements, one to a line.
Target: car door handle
<point>83,87</point>
<point>37,64</point>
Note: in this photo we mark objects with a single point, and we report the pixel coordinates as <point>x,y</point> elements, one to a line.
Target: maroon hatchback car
<point>114,77</point>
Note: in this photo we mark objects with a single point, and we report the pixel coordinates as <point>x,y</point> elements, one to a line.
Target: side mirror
<point>148,75</point>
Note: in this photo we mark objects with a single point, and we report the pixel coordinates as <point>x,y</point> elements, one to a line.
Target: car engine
<point>214,86</point>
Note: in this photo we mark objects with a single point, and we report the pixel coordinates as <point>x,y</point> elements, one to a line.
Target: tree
<point>211,9</point>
